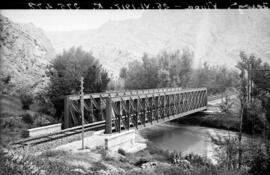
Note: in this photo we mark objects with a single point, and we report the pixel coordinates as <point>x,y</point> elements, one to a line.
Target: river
<point>183,138</point>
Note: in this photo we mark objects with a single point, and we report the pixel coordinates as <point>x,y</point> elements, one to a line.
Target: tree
<point>6,87</point>
<point>65,73</point>
<point>254,90</point>
<point>175,69</point>
<point>257,77</point>
<point>217,79</point>
<point>258,74</point>
<point>165,70</point>
<point>142,75</point>
<point>134,79</point>
<point>123,73</point>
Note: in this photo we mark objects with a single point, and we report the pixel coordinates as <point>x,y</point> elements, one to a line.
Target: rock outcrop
<point>25,54</point>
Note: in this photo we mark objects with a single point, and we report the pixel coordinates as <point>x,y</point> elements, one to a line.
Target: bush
<point>198,160</point>
<point>27,118</point>
<point>12,128</point>
<point>54,153</point>
<point>34,119</point>
<point>259,160</point>
<point>12,122</point>
<point>27,100</point>
<point>43,120</point>
<point>45,104</point>
<point>141,161</point>
<point>160,153</point>
<point>260,165</point>
<point>98,166</point>
<point>11,164</point>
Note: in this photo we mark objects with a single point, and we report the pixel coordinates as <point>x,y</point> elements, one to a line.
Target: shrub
<point>12,128</point>
<point>43,120</point>
<point>54,153</point>
<point>27,100</point>
<point>260,165</point>
<point>163,154</point>
<point>34,119</point>
<point>259,160</point>
<point>45,104</point>
<point>198,160</point>
<point>98,166</point>
<point>12,122</point>
<point>11,163</point>
<point>101,150</point>
<point>141,161</point>
<point>27,118</point>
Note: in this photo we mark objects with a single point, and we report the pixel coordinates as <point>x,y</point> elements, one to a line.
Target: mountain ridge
<point>215,36</point>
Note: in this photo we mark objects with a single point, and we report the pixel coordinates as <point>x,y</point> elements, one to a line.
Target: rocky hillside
<point>25,54</point>
<point>215,36</point>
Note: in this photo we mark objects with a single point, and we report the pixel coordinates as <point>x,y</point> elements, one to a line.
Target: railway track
<point>58,135</point>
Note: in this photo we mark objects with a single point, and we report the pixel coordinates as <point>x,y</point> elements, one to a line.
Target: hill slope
<point>215,36</point>
<point>25,54</point>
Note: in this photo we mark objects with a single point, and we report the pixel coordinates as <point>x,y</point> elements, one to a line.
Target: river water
<point>183,138</point>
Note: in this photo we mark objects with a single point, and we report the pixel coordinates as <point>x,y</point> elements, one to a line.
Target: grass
<point>58,153</point>
<point>15,121</point>
<point>57,162</point>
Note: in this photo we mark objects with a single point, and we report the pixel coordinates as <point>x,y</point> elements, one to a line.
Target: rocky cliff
<point>25,54</point>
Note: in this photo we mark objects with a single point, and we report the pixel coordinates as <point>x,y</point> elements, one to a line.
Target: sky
<point>66,20</point>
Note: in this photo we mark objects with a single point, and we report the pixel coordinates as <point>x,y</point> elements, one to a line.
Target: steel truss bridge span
<point>139,110</point>
<point>95,105</point>
<point>124,110</point>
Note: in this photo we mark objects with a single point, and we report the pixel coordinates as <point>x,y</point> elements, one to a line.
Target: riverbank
<point>98,161</point>
<point>215,120</point>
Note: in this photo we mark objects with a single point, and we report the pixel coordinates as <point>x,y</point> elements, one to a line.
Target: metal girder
<point>143,109</point>
<point>136,106</point>
<point>122,93</point>
<point>95,111</point>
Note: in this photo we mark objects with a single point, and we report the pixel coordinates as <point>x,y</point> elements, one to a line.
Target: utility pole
<point>242,106</point>
<point>248,82</point>
<point>82,112</point>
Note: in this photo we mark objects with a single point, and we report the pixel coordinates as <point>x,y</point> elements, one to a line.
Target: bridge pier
<point>66,113</point>
<point>108,117</point>
<point>124,140</point>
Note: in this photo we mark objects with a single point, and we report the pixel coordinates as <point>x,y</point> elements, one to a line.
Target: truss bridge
<point>123,110</point>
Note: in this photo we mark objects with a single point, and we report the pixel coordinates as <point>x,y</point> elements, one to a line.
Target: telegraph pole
<point>243,95</point>
<point>82,112</point>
